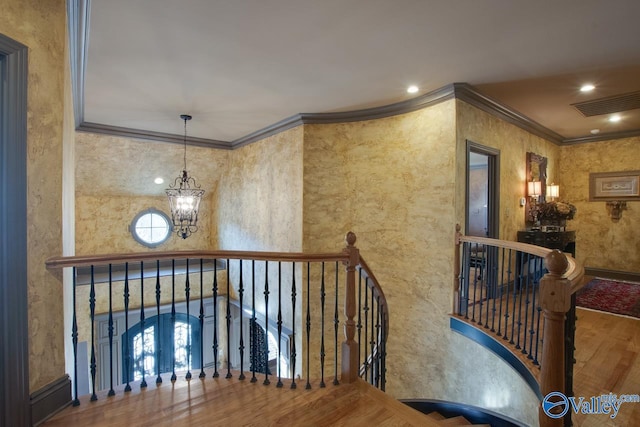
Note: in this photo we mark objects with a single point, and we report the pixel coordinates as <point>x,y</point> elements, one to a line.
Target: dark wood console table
<point>563,240</point>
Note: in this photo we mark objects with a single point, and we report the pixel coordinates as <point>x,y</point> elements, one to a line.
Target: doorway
<point>482,191</point>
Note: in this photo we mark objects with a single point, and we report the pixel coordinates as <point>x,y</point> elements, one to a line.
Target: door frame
<point>14,331</point>
<point>493,187</point>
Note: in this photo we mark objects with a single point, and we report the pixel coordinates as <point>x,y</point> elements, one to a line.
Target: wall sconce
<point>553,191</point>
<point>534,189</point>
<point>615,209</point>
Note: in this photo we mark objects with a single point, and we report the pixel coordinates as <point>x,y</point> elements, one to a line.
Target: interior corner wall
<point>260,198</point>
<point>41,27</point>
<point>392,182</point>
<point>602,243</point>
<point>513,142</point>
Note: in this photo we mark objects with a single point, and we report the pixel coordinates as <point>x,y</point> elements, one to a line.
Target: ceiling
<point>240,66</point>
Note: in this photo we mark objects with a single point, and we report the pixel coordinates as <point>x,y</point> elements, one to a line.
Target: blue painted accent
<point>499,349</point>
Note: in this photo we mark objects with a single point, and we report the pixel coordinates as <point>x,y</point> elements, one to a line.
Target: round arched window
<point>151,227</point>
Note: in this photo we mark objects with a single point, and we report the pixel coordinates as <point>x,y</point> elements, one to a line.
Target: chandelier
<point>184,197</point>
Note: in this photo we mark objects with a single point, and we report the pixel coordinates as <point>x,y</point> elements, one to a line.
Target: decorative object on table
<point>553,215</point>
<point>536,186</point>
<point>610,296</point>
<point>184,196</point>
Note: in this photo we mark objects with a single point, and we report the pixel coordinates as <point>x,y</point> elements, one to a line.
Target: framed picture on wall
<point>607,186</point>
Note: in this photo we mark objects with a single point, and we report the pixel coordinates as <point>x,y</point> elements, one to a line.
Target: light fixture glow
<point>184,197</point>
<point>587,87</point>
<point>595,131</point>
<point>159,180</point>
<point>413,89</point>
<point>615,118</point>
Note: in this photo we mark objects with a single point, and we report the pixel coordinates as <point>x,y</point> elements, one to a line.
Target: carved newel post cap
<point>556,262</point>
<point>350,238</point>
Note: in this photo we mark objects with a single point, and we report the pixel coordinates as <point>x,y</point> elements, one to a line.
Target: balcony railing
<point>524,297</point>
<point>263,316</point>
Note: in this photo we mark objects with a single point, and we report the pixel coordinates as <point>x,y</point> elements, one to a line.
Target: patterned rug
<point>611,296</point>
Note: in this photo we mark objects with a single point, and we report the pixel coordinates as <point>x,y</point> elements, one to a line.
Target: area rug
<point>611,296</point>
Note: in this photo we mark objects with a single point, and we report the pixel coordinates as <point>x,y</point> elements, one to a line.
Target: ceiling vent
<point>611,104</point>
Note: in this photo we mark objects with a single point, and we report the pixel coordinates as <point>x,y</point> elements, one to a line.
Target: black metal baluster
<point>74,339</point>
<point>372,341</point>
<point>538,315</point>
<point>216,374</point>
<point>497,289</point>
<point>475,286</point>
<point>465,282</point>
<point>532,330</point>
<point>377,342</point>
<point>506,314</point>
<point>143,383</point>
<point>502,286</point>
<point>92,309</point>
<point>483,280</point>
<point>252,329</point>
<point>293,331</point>
<point>279,384</point>
<point>127,358</point>
<point>517,285</point>
<point>173,320</point>
<point>521,297</point>
<point>228,324</point>
<point>266,323</point>
<point>490,262</point>
<point>308,349</point>
<point>336,322</point>
<point>383,352</point>
<point>159,341</point>
<point>201,318</point>
<point>112,392</point>
<point>187,294</point>
<point>366,309</point>
<point>241,346</point>
<point>322,353</point>
<point>359,309</point>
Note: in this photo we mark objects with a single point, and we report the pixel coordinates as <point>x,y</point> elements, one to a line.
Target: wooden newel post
<point>350,366</point>
<point>555,301</point>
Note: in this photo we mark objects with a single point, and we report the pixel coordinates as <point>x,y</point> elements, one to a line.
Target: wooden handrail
<point>349,256</point>
<point>87,260</point>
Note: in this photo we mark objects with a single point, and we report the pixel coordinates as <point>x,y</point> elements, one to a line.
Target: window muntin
<point>151,228</point>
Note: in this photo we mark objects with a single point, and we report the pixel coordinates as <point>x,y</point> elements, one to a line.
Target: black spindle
<point>266,324</point>
<point>336,323</point>
<point>143,383</point>
<point>127,346</point>
<point>216,374</point>
<point>293,354</point>
<point>322,353</point>
<point>241,346</point>
<point>173,319</point>
<point>74,339</point>
<point>159,342</point>
<point>279,383</point>
<point>201,319</point>
<point>187,294</point>
<point>308,351</point>
<point>252,329</point>
<point>112,392</point>
<point>92,309</point>
<point>228,324</point>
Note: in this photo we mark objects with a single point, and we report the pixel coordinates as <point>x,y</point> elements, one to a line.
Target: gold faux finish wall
<point>475,125</point>
<point>600,242</point>
<point>41,27</point>
<point>392,182</point>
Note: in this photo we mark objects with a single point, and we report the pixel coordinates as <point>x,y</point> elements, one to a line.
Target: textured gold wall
<point>601,242</point>
<point>41,27</point>
<point>392,182</point>
<point>514,143</point>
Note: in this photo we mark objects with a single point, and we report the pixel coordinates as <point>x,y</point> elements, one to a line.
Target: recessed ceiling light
<point>413,89</point>
<point>587,87</point>
<point>615,118</point>
<point>158,180</point>
<point>595,131</point>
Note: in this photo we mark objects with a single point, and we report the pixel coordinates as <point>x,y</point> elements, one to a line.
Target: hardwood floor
<point>607,361</point>
<point>231,402</point>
